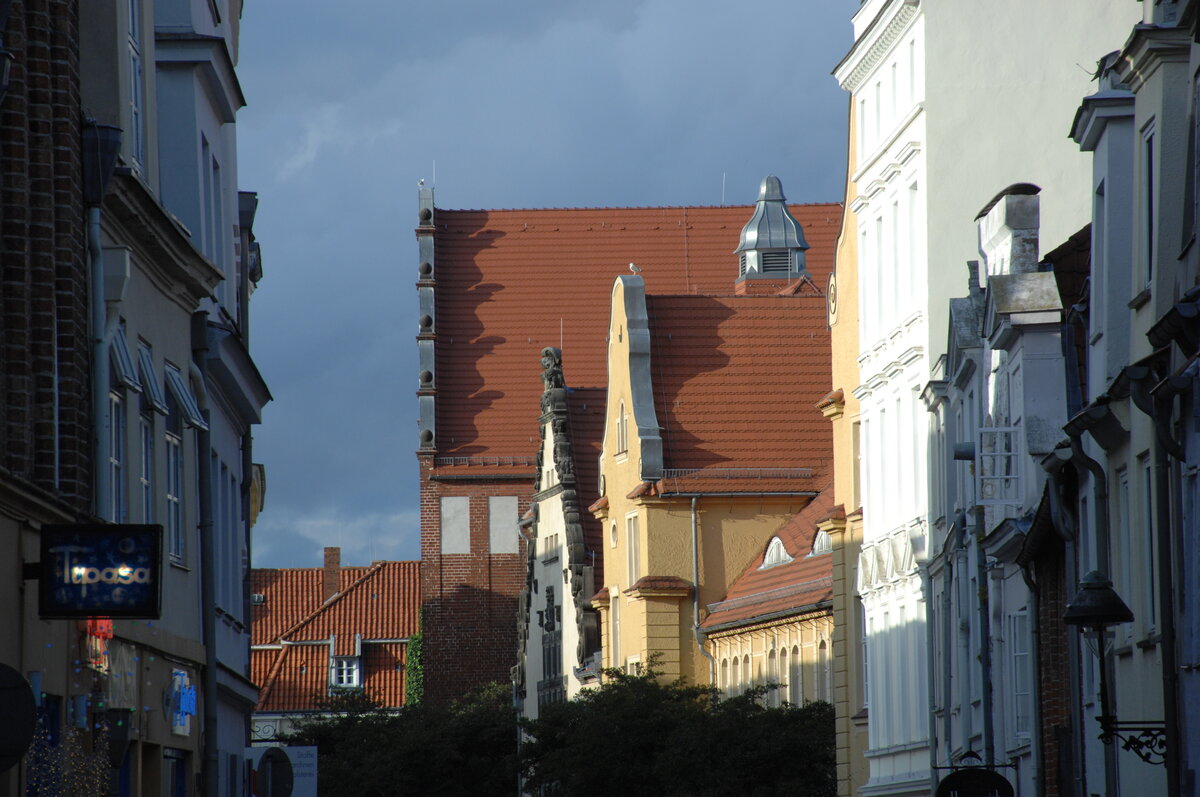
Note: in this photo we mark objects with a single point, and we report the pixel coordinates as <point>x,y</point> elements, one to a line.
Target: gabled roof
<point>511,282</point>
<point>737,381</point>
<point>803,584</point>
<point>379,603</point>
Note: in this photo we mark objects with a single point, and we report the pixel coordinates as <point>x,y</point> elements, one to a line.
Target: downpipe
<point>197,370</point>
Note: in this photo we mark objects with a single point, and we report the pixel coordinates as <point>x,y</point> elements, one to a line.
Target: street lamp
<point>1095,606</point>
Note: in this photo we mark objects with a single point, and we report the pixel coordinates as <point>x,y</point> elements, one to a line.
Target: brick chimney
<point>332,576</point>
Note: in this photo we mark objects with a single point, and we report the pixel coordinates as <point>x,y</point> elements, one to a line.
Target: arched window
<point>826,684</point>
<point>795,681</point>
<point>725,676</point>
<point>735,685</point>
<point>747,674</point>
<point>822,544</point>
<point>773,677</point>
<point>785,675</point>
<point>776,554</point>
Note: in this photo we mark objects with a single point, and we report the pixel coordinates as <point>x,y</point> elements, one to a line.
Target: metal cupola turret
<point>772,244</point>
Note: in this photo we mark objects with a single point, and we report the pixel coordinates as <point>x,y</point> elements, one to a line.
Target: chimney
<point>331,578</point>
<point>1008,231</point>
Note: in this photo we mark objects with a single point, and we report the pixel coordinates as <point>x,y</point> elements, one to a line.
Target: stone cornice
<point>165,247</point>
<point>874,45</point>
<point>1148,48</point>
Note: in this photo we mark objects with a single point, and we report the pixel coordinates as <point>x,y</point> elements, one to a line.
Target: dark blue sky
<point>551,104</point>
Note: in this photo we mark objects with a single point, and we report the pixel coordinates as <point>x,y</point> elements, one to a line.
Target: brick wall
<point>1054,672</point>
<point>44,352</point>
<point>468,601</point>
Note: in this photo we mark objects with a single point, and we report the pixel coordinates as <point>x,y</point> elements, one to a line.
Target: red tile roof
<point>736,383</point>
<point>510,282</point>
<point>379,603</point>
<point>806,581</point>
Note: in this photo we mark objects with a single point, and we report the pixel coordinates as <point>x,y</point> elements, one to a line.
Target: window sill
<point>1138,301</point>
<point>178,565</point>
<point>1150,641</point>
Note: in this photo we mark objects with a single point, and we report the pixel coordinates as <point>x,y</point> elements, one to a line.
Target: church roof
<point>511,282</point>
<point>737,380</point>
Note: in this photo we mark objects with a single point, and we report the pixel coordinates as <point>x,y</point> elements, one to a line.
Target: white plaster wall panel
<point>502,524</point>
<point>456,525</point>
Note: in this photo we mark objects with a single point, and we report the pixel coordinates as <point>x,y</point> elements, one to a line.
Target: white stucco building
<point>946,115</point>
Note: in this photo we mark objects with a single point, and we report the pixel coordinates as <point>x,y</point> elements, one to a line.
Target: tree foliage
<point>465,748</point>
<point>637,735</point>
<point>633,735</point>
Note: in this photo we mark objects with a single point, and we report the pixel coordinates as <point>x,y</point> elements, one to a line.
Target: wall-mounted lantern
<point>1095,607</point>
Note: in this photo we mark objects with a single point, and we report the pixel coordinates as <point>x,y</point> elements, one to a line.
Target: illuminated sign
<point>100,569</point>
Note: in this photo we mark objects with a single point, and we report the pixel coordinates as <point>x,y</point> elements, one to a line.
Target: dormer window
<point>344,673</point>
<point>822,544</point>
<point>776,555</point>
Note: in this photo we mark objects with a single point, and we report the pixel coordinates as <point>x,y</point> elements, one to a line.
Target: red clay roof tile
<point>736,382</point>
<point>510,282</point>
<point>379,603</point>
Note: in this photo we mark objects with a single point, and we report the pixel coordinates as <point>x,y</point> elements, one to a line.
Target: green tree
<point>363,750</point>
<point>637,735</point>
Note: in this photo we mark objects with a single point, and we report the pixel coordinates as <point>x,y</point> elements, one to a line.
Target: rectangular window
<point>344,672</point>
<point>614,631</point>
<point>1120,547</point>
<point>1148,230</point>
<point>1022,675</point>
<point>631,549</point>
<point>137,121</point>
<point>173,438</point>
<point>622,430</point>
<point>856,453</point>
<point>456,525</point>
<point>502,524</point>
<point>1149,546</point>
<point>116,457</point>
<point>1096,309</point>
<point>146,463</point>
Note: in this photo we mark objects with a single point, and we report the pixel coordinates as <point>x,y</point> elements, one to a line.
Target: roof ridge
<point>834,203</point>
<point>336,598</point>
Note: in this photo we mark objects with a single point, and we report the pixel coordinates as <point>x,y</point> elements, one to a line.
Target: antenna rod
<point>722,189</point>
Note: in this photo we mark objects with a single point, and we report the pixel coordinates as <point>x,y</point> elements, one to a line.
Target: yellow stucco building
<point>845,524</point>
<point>712,443</point>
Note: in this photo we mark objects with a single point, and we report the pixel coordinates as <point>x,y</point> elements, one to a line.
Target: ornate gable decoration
<point>555,416</point>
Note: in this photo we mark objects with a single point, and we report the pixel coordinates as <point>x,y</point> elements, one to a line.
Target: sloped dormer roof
<point>805,583</point>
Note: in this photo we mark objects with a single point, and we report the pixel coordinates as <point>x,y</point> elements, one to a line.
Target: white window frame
<point>345,672</point>
<point>632,548</point>
<point>1020,677</point>
<point>173,493</point>
<point>1147,210</point>
<point>119,504</point>
<point>137,97</point>
<point>146,461</point>
<point>998,466</point>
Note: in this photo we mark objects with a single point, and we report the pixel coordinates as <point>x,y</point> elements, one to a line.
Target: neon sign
<point>100,569</point>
